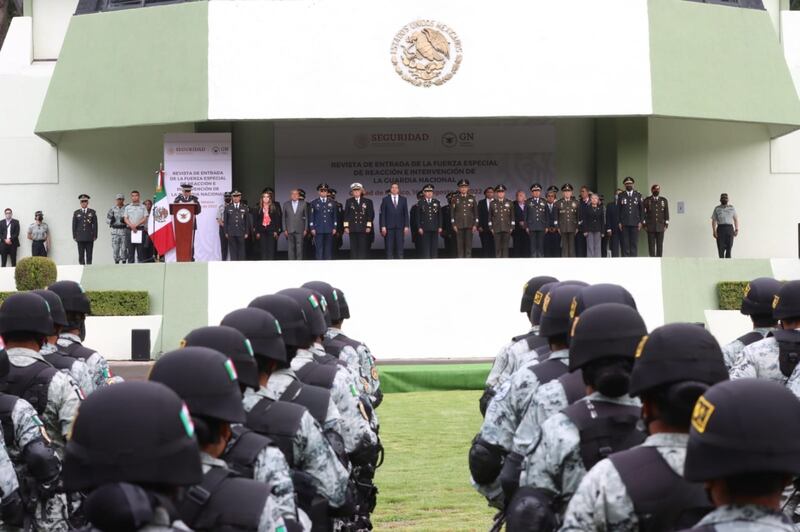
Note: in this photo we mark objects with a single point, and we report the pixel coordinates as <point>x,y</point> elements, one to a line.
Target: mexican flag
<point>160,223</point>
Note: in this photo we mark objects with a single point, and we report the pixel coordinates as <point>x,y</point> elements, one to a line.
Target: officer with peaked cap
<point>358,217</point>
<point>588,430</point>
<point>745,446</point>
<point>756,303</point>
<point>552,240</point>
<point>131,468</point>
<point>505,361</point>
<point>629,202</point>
<point>463,218</point>
<point>431,216</point>
<point>762,359</point>
<point>206,381</point>
<point>248,453</point>
<point>566,220</point>
<point>223,240</point>
<point>536,220</point>
<point>513,397</point>
<point>186,196</point>
<point>642,488</point>
<point>501,221</point>
<point>322,222</point>
<point>84,229</point>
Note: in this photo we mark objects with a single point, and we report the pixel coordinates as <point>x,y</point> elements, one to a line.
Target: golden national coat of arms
<point>426,52</point>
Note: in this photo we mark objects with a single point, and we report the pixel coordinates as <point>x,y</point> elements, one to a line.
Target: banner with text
<point>204,161</point>
<point>516,153</point>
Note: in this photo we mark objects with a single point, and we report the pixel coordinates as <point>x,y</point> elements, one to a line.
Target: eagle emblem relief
<point>426,53</point>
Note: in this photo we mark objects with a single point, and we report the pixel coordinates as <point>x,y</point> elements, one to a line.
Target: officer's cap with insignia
<point>323,186</point>
<point>83,197</point>
<point>567,186</point>
<point>235,192</point>
<point>759,295</point>
<point>186,187</point>
<point>741,427</point>
<point>332,191</point>
<point>628,181</point>
<point>428,188</point>
<point>356,186</point>
<point>232,343</point>
<point>120,196</point>
<point>535,187</point>
<point>500,188</point>
<point>786,304</point>
<point>463,183</point>
<point>552,188</point>
<point>529,291</point>
<point>677,352</point>
<point>227,194</point>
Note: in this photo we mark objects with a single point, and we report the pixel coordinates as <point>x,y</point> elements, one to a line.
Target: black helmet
<point>331,295</point>
<point>538,298</point>
<point>56,307</point>
<point>231,343</point>
<point>137,432</point>
<point>601,293</point>
<point>674,353</point>
<point>759,295</point>
<point>313,307</point>
<point>5,365</point>
<point>556,310</point>
<point>73,297</point>
<point>786,304</point>
<point>744,426</point>
<point>604,331</point>
<point>205,379</point>
<point>262,329</point>
<point>25,312</point>
<point>530,289</point>
<point>294,326</point>
<point>344,308</point>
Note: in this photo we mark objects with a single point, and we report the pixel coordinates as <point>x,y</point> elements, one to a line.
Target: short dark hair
<point>756,484</point>
<point>8,209</point>
<point>134,191</point>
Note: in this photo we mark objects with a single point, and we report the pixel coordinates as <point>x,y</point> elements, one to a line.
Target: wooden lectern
<point>183,221</point>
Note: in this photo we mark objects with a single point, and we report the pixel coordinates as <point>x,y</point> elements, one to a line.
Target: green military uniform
<point>566,221</point>
<point>656,220</point>
<point>38,232</point>
<point>501,221</point>
<point>464,218</point>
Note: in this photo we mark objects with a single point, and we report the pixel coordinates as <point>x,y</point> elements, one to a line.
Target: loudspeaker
<point>140,344</point>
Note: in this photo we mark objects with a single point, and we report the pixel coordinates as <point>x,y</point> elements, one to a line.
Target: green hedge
<point>113,302</point>
<point>730,294</point>
<point>34,273</point>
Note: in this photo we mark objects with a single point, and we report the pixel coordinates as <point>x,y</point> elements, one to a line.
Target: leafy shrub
<point>730,294</point>
<point>113,302</point>
<point>35,273</point>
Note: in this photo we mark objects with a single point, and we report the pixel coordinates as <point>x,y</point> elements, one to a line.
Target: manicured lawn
<point>424,482</point>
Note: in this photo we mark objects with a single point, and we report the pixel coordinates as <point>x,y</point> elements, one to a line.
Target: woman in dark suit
<point>267,218</point>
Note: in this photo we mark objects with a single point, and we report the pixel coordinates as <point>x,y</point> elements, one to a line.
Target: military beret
<point>500,188</point>
<point>567,186</point>
<point>552,188</point>
<point>427,188</point>
<point>627,180</point>
<point>463,183</point>
<point>323,186</point>
<point>356,186</point>
<point>536,186</point>
<point>84,197</point>
<point>120,196</point>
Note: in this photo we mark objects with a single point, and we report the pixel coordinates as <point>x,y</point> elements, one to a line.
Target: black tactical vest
<point>279,421</point>
<point>224,502</point>
<point>574,387</point>
<point>535,342</point>
<point>661,498</point>
<point>548,370</point>
<point>751,338</point>
<point>605,428</point>
<point>315,398</point>
<point>60,361</point>
<point>7,403</point>
<point>242,454</point>
<point>318,374</point>
<point>31,383</point>
<point>76,350</point>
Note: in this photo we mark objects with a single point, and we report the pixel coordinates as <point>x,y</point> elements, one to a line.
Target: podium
<point>183,221</point>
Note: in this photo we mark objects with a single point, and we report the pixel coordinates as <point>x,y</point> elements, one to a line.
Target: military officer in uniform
<point>322,223</point>
<point>630,218</point>
<point>84,229</point>
<point>413,223</point>
<point>464,218</point>
<point>501,221</point>
<point>552,240</point>
<point>115,218</point>
<point>359,214</point>
<point>186,196</point>
<point>756,303</point>
<point>724,226</point>
<point>447,227</point>
<point>39,235</point>
<point>536,220</point>
<point>484,228</point>
<point>223,240</point>
<point>656,220</point>
<point>238,226</point>
<point>566,220</point>
<point>338,240</point>
<point>430,222</point>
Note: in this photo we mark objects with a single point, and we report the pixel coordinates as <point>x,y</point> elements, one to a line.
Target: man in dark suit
<point>522,242</point>
<point>484,227</point>
<point>630,218</point>
<point>84,229</point>
<point>394,221</point>
<point>552,239</point>
<point>9,235</point>
<point>295,224</point>
<point>358,216</point>
<point>583,211</point>
<point>613,232</point>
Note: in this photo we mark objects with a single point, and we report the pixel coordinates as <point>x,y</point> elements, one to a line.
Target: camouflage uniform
<point>556,464</point>
<point>602,503</point>
<point>760,361</point>
<point>731,518</point>
<point>79,371</point>
<point>8,477</point>
<point>548,399</point>
<point>361,363</point>
<point>313,454</point>
<point>116,218</point>
<point>356,430</point>
<point>98,366</point>
<point>731,351</point>
<point>271,518</point>
<point>63,398</point>
<point>510,358</point>
<point>280,379</point>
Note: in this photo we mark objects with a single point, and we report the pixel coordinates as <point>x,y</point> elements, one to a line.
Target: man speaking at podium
<point>186,196</point>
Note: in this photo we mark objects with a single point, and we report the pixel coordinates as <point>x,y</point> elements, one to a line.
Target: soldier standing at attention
<point>566,220</point>
<point>725,226</point>
<point>322,223</point>
<point>484,227</point>
<point>464,218</point>
<point>238,225</point>
<point>656,220</point>
<point>592,222</point>
<point>358,216</point>
<point>630,218</point>
<point>536,220</point>
<point>430,223</point>
<point>552,240</point>
<point>116,221</point>
<point>84,229</point>
<point>39,235</point>
<point>501,221</point>
<point>223,240</point>
<point>136,223</point>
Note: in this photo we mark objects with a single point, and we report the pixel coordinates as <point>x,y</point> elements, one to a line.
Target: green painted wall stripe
<point>718,62</point>
<point>690,285</point>
<point>130,67</point>
<point>185,301</point>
